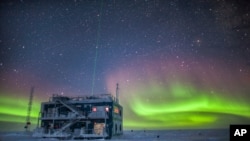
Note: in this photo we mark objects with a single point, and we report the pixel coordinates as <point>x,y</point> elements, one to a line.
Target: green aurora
<point>182,106</point>
<point>14,109</point>
<point>156,107</point>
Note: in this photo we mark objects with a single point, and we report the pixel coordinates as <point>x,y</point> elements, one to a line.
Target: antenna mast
<point>117,93</point>
<point>28,123</point>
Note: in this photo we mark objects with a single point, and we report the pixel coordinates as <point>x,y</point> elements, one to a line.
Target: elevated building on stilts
<point>85,117</point>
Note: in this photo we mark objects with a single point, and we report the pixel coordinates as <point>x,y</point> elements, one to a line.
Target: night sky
<point>180,64</point>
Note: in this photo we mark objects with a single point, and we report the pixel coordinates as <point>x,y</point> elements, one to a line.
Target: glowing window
<point>94,109</point>
<point>107,109</point>
<point>116,110</point>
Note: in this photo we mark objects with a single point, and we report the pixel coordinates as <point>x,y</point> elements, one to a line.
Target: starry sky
<point>180,64</point>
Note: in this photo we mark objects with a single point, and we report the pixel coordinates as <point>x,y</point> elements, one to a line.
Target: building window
<point>116,110</point>
<point>94,109</point>
<point>106,109</point>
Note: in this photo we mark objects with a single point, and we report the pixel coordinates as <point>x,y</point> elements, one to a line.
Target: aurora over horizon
<point>194,97</point>
<point>179,64</point>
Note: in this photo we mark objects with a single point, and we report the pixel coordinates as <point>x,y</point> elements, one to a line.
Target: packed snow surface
<point>142,135</point>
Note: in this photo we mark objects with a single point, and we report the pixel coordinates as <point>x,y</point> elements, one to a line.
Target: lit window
<point>94,109</point>
<point>107,109</point>
<point>116,110</point>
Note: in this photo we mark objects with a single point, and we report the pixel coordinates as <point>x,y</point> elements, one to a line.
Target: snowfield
<point>141,135</point>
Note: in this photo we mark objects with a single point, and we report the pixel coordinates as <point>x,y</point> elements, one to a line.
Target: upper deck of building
<point>82,99</point>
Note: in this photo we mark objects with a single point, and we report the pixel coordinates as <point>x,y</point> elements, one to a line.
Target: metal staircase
<point>71,122</point>
<point>69,107</point>
<point>78,116</point>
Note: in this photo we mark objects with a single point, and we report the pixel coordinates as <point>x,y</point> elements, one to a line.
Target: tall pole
<point>117,93</point>
<point>28,123</point>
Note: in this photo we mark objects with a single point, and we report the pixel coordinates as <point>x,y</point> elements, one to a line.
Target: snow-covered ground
<point>141,135</point>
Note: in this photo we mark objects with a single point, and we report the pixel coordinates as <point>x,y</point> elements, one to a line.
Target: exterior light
<point>106,109</point>
<point>94,109</point>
